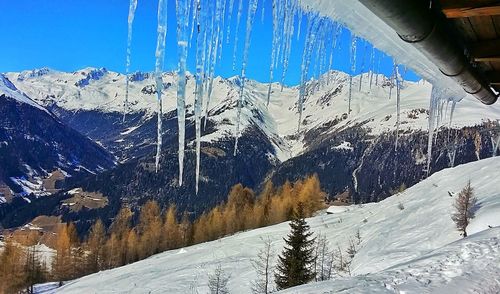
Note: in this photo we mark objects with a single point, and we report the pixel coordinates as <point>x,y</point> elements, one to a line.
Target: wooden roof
<point>478,24</point>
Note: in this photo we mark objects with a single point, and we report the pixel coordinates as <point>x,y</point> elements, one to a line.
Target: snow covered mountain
<point>34,142</point>
<point>349,151</point>
<point>408,244</point>
<point>75,96</point>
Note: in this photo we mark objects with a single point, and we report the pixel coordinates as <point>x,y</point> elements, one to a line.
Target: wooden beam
<point>485,51</point>
<point>470,8</point>
<point>493,77</point>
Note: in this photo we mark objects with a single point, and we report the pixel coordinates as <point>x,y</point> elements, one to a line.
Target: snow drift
<point>414,250</point>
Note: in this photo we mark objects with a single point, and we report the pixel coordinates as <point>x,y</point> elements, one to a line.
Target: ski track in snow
<point>414,250</point>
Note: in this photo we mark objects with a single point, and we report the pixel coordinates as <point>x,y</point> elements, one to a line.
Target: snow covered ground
<point>412,250</point>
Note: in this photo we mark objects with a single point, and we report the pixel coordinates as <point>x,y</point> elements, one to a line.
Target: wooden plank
<point>469,8</point>
<point>493,77</point>
<point>487,59</point>
<point>464,27</point>
<point>484,28</point>
<point>485,51</point>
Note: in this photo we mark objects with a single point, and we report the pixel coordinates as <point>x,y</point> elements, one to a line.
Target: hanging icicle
<point>229,22</point>
<point>363,58</point>
<point>131,15</point>
<point>312,27</point>
<point>182,9</point>
<point>289,17</point>
<point>263,11</point>
<point>200,63</point>
<point>252,7</point>
<point>160,57</point>
<point>237,32</point>
<point>433,113</point>
<point>398,106</point>
<point>354,41</point>
<point>274,49</point>
<point>216,39</point>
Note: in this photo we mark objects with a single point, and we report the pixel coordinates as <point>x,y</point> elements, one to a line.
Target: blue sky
<point>70,35</point>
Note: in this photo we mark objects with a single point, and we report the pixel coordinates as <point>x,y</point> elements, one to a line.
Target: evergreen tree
<point>296,263</point>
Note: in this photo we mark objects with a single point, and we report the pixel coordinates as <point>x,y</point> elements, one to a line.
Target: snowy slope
<point>416,249</point>
<point>9,90</point>
<point>102,90</point>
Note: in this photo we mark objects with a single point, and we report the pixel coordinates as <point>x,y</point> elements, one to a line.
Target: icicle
<point>273,49</point>
<point>252,7</point>
<point>354,41</point>
<point>238,20</point>
<point>263,11</point>
<point>453,105</point>
<point>131,15</point>
<point>398,107</point>
<point>194,9</point>
<point>200,62</point>
<point>362,66</point>
<point>182,45</point>
<point>306,60</point>
<point>452,151</point>
<point>221,28</point>
<point>160,56</point>
<point>372,65</point>
<point>287,34</point>
<point>229,21</point>
<point>433,112</point>
<point>350,95</point>
<point>299,25</point>
<point>337,30</point>
<point>213,56</point>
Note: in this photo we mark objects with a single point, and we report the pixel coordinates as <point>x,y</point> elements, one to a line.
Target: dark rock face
<point>133,137</point>
<point>374,169</point>
<point>31,137</point>
<point>94,74</point>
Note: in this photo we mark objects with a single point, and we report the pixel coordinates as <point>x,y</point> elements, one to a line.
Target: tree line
<point>129,239</point>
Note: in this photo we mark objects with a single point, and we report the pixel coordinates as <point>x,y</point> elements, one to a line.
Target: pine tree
<point>464,209</point>
<point>296,263</point>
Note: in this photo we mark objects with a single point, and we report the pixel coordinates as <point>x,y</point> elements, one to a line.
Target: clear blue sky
<point>72,34</point>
